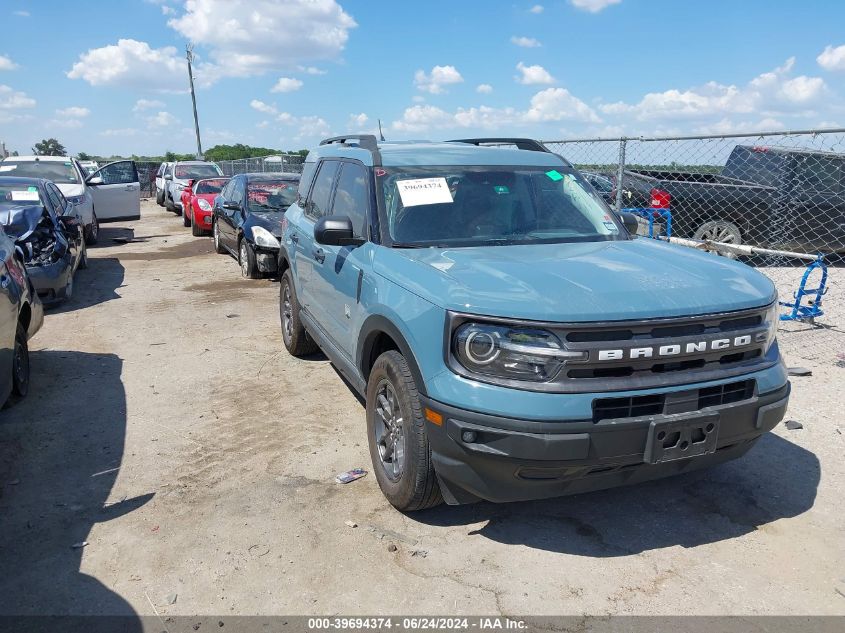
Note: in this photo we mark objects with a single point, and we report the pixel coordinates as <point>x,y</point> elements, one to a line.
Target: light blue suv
<point>512,338</point>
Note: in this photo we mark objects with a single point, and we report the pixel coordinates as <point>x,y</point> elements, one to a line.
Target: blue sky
<point>109,76</point>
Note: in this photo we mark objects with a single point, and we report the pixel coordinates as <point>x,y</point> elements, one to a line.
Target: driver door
<point>116,191</point>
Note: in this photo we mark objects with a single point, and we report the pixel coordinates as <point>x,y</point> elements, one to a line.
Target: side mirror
<point>168,176</point>
<point>232,206</point>
<point>95,180</point>
<point>335,230</point>
<point>629,220</point>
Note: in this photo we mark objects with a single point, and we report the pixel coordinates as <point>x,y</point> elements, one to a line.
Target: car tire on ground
<point>186,219</point>
<point>196,231</point>
<point>397,437</point>
<point>296,339</point>
<point>160,198</point>
<point>215,231</point>
<point>68,295</point>
<point>20,364</point>
<point>246,260</point>
<point>92,231</point>
<point>83,260</point>
<point>168,203</point>
<point>719,231</point>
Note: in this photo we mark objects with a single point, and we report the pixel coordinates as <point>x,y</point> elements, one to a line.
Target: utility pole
<point>189,51</point>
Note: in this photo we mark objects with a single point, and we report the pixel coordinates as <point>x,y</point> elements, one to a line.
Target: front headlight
<point>264,238</point>
<point>76,199</point>
<point>772,321</point>
<point>203,204</point>
<point>510,353</point>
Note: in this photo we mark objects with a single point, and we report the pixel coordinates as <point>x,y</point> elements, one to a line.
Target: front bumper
<point>266,259</point>
<point>202,218</point>
<point>50,281</point>
<point>512,460</point>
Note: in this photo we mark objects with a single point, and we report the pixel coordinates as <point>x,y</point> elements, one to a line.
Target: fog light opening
<point>469,436</point>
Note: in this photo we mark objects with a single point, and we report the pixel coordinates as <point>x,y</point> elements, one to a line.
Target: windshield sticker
<point>7,167</point>
<point>25,196</point>
<point>501,189</point>
<point>610,226</point>
<point>423,191</point>
<point>32,188</point>
<point>554,175</point>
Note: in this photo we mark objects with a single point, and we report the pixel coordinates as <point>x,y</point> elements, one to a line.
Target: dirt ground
<point>167,427</point>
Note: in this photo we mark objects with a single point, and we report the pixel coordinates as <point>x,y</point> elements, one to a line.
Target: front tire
<point>83,259</point>
<point>246,259</point>
<point>92,231</point>
<point>168,203</point>
<point>296,339</point>
<point>20,364</point>
<point>186,219</point>
<point>399,447</point>
<point>160,198</point>
<point>196,231</point>
<point>218,246</point>
<point>719,231</point>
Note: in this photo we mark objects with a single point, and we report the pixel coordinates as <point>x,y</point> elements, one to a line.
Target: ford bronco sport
<point>512,338</point>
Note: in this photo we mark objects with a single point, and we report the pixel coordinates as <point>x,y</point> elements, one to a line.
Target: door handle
<point>320,255</point>
<point>294,238</point>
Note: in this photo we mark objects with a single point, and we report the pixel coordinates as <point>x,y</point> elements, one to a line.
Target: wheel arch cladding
<point>378,335</point>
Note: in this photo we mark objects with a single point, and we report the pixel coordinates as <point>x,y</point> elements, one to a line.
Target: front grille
<point>681,402</point>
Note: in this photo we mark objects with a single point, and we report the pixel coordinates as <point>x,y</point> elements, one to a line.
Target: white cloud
<point>358,120</point>
<point>286,84</point>
<point>771,94</point>
<point>147,104</point>
<point>249,37</point>
<point>832,58</point>
<point>440,76</point>
<point>266,108</point>
<point>6,63</point>
<point>558,104</point>
<point>74,112</point>
<point>537,8</point>
<point>593,6</point>
<point>532,75</point>
<point>65,123</point>
<point>311,70</point>
<point>551,104</point>
<point>132,63</point>
<point>124,131</point>
<point>162,119</point>
<point>21,13</point>
<point>11,99</point>
<point>525,42</point>
<point>418,99</point>
<point>165,10</point>
<point>484,89</point>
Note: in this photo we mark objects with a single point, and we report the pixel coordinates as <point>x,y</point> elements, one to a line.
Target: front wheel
<point>246,258</point>
<point>215,231</point>
<point>296,339</point>
<point>186,219</point>
<point>160,198</point>
<point>20,364</point>
<point>92,231</point>
<point>719,231</point>
<point>399,447</point>
<point>196,231</point>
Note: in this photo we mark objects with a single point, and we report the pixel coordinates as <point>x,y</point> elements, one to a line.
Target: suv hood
<point>581,282</point>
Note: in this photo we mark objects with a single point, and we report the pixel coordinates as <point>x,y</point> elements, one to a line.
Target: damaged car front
<point>50,244</point>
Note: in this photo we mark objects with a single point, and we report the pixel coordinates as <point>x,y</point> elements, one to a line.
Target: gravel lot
<point>167,427</point>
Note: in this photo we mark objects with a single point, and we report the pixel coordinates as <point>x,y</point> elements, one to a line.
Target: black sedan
<point>247,219</point>
<point>21,316</point>
<point>48,234</point>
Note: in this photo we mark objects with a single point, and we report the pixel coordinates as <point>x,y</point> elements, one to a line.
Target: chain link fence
<point>290,163</point>
<point>774,200</point>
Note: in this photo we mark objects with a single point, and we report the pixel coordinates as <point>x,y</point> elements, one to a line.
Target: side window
<point>819,174</point>
<point>308,171</point>
<point>352,196</point>
<point>237,191</point>
<point>168,170</point>
<point>160,171</point>
<point>120,173</point>
<point>318,201</point>
<point>56,198</point>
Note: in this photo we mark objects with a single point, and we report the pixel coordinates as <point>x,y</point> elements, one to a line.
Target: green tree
<point>83,156</point>
<point>169,157</point>
<point>49,147</point>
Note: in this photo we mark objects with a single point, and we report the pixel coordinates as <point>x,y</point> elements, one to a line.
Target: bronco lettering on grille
<point>693,347</point>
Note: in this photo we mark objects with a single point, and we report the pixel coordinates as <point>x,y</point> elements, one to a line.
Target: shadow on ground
<point>60,451</point>
<point>96,284</point>
<point>775,480</point>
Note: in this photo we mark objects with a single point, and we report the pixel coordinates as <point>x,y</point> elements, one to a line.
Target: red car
<point>197,201</point>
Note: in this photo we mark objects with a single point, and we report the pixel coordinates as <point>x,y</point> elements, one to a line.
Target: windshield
<point>271,195</point>
<point>187,172</point>
<point>61,173</point>
<point>211,186</point>
<point>19,195</point>
<point>491,205</point>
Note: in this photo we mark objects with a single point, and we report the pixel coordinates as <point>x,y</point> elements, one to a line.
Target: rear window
<point>19,195</point>
<point>62,173</point>
<point>211,186</point>
<point>186,172</point>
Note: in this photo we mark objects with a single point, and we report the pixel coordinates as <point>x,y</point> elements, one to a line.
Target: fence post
<point>623,142</point>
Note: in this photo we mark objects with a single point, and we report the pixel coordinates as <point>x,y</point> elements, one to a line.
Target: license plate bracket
<point>682,437</point>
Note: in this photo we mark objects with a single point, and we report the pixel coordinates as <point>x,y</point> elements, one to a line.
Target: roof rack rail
<point>365,141</point>
<point>521,143</point>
